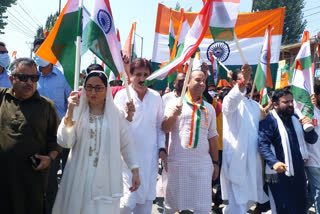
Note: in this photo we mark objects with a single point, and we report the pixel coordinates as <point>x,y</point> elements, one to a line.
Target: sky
<point>27,15</point>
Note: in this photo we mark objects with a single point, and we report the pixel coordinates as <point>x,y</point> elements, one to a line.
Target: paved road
<point>158,208</point>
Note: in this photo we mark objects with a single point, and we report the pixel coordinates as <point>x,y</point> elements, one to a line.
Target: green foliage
<point>178,7</point>
<point>294,24</point>
<point>4,4</point>
<point>51,20</point>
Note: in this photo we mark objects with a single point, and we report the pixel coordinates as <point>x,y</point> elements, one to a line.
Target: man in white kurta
<point>190,168</point>
<point>148,138</point>
<point>241,172</point>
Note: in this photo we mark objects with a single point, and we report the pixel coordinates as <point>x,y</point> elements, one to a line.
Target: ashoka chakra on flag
<point>104,20</point>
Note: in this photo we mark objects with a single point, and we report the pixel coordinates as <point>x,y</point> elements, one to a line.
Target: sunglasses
<point>3,52</point>
<point>97,88</point>
<point>25,77</point>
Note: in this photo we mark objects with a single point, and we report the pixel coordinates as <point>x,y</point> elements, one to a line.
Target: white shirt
<point>314,149</point>
<point>148,139</point>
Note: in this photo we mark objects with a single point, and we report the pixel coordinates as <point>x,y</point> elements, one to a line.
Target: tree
<point>51,20</point>
<point>178,7</point>
<point>4,4</point>
<point>294,24</point>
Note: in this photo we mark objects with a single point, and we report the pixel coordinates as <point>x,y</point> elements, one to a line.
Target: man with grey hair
<point>28,142</point>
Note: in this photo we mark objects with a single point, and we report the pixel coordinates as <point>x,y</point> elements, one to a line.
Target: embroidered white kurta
<point>190,170</point>
<point>75,193</point>
<point>241,170</point>
<point>148,139</point>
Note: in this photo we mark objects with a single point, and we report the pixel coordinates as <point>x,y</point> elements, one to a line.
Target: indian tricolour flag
<point>318,51</point>
<point>302,78</point>
<point>60,43</point>
<point>172,35</point>
<point>263,75</point>
<point>102,37</point>
<point>189,45</point>
<point>224,19</point>
<point>264,98</point>
<point>177,47</point>
<point>250,30</point>
<point>129,48</point>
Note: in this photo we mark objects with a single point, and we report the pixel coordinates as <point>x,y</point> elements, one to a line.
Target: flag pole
<point>186,80</point>
<point>239,48</point>
<point>78,57</point>
<point>225,68</point>
<point>125,80</point>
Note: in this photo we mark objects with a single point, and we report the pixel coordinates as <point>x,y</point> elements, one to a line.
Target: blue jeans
<point>313,174</point>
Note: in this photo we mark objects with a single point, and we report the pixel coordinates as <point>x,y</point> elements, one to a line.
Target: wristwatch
<point>216,162</point>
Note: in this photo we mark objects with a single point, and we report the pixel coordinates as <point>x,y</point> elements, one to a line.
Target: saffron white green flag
<point>224,19</point>
<point>264,98</point>
<point>102,37</point>
<point>302,78</point>
<point>172,35</point>
<point>129,48</point>
<point>189,45</point>
<point>60,45</point>
<point>263,75</point>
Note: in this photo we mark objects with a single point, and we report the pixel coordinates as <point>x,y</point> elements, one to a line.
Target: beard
<point>286,112</point>
<point>318,102</point>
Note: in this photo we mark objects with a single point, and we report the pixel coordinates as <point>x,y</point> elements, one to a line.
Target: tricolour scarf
<point>195,119</point>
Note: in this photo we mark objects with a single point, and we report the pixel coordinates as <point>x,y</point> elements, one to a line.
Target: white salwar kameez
<point>190,169</point>
<point>148,139</point>
<point>241,173</point>
<point>92,181</point>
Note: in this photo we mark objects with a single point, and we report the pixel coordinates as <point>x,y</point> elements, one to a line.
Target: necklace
<point>96,135</point>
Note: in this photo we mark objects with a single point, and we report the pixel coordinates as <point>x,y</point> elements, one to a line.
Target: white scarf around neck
<point>286,144</point>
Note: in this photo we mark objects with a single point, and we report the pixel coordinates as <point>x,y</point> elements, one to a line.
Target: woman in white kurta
<point>92,182</point>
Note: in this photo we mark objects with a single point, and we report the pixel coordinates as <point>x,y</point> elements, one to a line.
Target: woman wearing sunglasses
<point>92,182</point>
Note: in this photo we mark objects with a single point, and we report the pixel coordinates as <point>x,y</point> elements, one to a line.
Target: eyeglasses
<point>97,88</point>
<point>25,77</point>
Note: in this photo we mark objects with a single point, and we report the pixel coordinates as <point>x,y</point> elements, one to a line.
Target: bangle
<point>50,158</point>
<point>216,162</point>
<point>162,149</point>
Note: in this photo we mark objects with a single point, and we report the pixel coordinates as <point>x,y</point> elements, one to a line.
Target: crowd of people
<point>108,147</point>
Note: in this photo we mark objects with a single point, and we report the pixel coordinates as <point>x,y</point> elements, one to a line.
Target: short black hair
<point>235,74</point>
<point>140,63</point>
<point>23,61</point>
<point>317,89</point>
<point>2,44</point>
<point>94,67</point>
<point>280,93</point>
<point>38,41</point>
<point>99,74</point>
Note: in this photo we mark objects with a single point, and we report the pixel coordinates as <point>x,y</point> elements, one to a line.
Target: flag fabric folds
<point>250,30</point>
<point>60,43</point>
<point>129,48</point>
<point>102,37</point>
<point>264,98</point>
<point>301,78</point>
<point>263,75</point>
<point>189,45</point>
<point>224,19</point>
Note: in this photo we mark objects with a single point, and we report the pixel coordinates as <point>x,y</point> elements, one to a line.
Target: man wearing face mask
<point>53,85</point>
<point>4,63</point>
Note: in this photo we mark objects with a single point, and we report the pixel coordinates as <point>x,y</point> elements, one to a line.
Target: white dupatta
<point>107,183</point>
<point>286,144</point>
